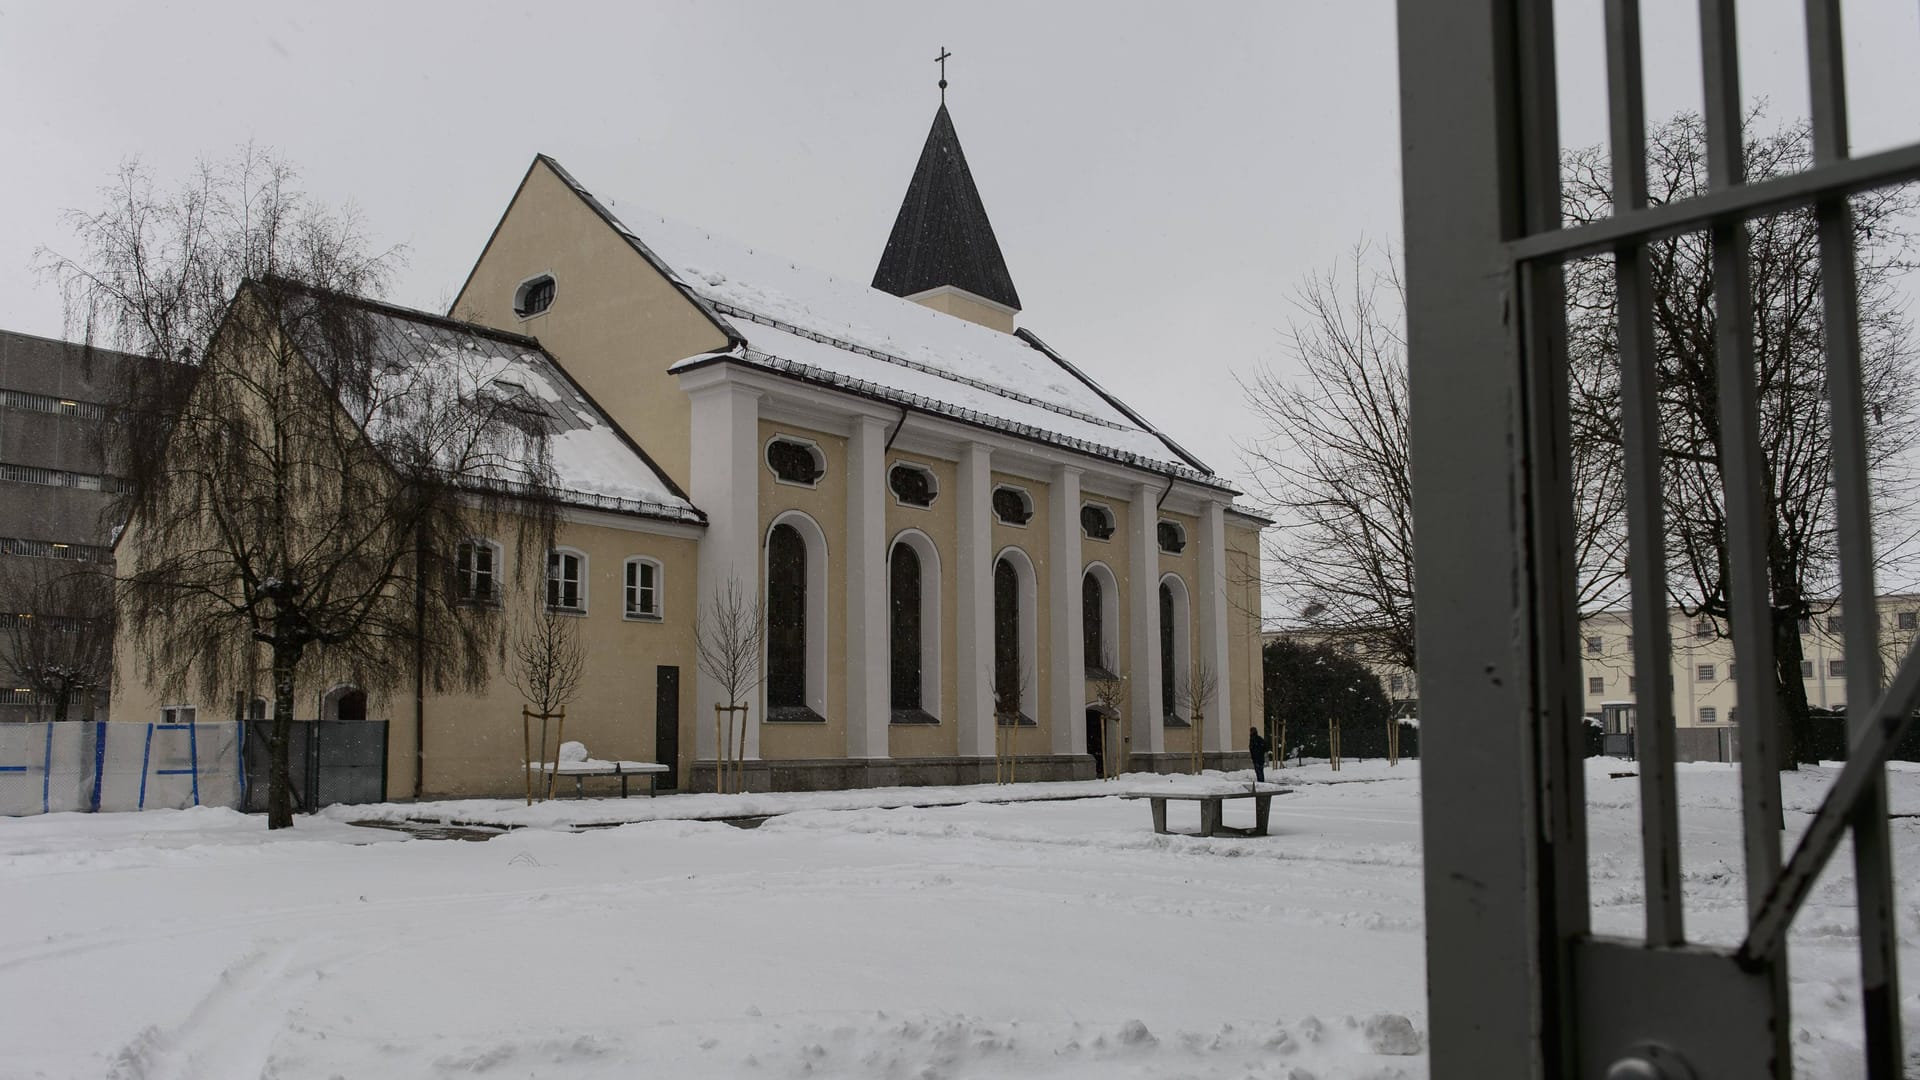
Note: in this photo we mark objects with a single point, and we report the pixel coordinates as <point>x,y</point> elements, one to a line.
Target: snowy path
<point>1044,939</point>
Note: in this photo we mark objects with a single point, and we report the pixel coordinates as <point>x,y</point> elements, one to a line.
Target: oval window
<point>795,462</point>
<point>1012,506</point>
<point>912,485</point>
<point>1096,522</point>
<point>534,296</point>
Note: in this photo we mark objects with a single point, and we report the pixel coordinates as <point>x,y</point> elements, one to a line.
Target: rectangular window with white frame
<point>178,714</point>
<point>1703,672</point>
<point>567,581</point>
<point>476,569</point>
<point>643,589</point>
<point>1708,714</point>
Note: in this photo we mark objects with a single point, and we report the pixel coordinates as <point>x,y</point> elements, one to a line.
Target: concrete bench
<point>574,762</point>
<point>1211,795</point>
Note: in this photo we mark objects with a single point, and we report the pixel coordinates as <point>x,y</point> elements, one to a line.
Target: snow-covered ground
<point>1055,938</point>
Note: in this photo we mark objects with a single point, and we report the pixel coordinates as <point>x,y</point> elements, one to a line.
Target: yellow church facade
<point>950,526</point>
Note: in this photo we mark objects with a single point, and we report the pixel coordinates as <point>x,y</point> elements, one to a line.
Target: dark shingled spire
<point>942,236</point>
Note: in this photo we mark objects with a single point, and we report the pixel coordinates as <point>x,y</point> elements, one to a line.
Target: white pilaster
<point>869,701</point>
<point>1214,607</point>
<point>973,597</point>
<point>1069,675</point>
<point>724,479</point>
<point>1143,621</point>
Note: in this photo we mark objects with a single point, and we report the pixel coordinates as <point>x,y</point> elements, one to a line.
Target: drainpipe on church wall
<point>419,663</point>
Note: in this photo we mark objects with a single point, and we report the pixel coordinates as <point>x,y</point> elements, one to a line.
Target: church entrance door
<point>1097,742</point>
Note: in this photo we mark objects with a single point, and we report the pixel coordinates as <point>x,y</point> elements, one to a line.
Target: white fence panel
<point>86,765</point>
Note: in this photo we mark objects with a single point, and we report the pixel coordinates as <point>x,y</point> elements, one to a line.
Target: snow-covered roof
<point>426,364</point>
<point>808,324</point>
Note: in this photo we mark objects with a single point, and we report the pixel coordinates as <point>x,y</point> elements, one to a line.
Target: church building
<point>951,526</point>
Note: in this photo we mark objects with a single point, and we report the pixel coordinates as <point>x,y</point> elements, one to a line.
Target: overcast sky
<point>1161,176</point>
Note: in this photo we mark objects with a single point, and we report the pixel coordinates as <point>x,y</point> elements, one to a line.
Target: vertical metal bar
<point>1554,615</point>
<point>1853,499</point>
<point>1646,516</point>
<point>1742,464</point>
<point>1480,840</point>
<point>1743,470</point>
<point>46,774</point>
<point>193,757</point>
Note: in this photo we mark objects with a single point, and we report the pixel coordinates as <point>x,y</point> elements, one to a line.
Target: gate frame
<point>1518,985</point>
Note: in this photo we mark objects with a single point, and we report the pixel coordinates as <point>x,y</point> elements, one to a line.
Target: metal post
<point>1481,841</point>
<point>1872,850</point>
<point>1646,518</point>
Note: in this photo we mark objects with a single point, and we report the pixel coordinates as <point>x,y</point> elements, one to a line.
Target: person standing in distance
<point>1257,749</point>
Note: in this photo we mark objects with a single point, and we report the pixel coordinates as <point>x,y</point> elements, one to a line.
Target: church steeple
<point>942,251</point>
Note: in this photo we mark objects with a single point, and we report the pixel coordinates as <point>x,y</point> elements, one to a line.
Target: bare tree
<point>1195,694</point>
<point>1334,468</point>
<point>549,663</point>
<point>60,622</point>
<point>731,641</point>
<point>1107,692</point>
<point>1011,685</point>
<point>321,465</point>
<point>1788,333</point>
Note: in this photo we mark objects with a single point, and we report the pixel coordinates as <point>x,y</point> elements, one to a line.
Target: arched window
<point>1014,692</point>
<point>904,596</point>
<point>643,588</point>
<point>1175,650</point>
<point>344,702</point>
<point>913,623</point>
<point>786,619</point>
<point>1100,621</point>
<point>1093,626</point>
<point>1173,538</point>
<point>1007,673</point>
<point>796,613</point>
<point>567,580</point>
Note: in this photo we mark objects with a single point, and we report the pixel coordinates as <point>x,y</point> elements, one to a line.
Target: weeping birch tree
<point>303,467</point>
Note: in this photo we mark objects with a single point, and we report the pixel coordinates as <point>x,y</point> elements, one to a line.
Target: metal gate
<point>1518,984</point>
<point>332,761</point>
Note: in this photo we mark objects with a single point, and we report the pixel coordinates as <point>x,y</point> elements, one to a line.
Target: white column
<point>724,480</point>
<point>1068,677</point>
<point>869,702</point>
<point>1143,601</point>
<point>1214,608</point>
<point>973,598</point>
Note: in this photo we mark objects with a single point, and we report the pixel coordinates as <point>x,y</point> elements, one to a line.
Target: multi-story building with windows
<point>55,488</point>
<point>1705,704</point>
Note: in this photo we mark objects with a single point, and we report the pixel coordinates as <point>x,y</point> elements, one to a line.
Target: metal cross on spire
<point>942,61</point>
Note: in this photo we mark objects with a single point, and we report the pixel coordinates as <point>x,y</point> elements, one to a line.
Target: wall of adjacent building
<point>616,324</point>
<point>474,739</point>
